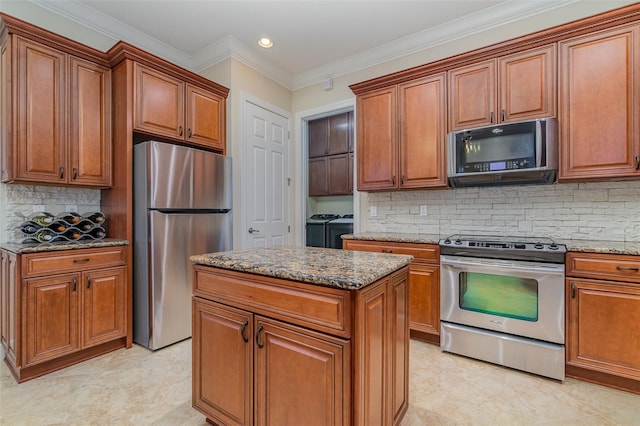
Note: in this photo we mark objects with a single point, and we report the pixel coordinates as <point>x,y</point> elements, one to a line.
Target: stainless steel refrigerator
<point>182,206</point>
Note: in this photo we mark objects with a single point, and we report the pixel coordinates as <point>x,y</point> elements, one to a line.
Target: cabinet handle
<point>88,281</point>
<point>244,327</point>
<point>180,130</point>
<point>402,180</point>
<point>75,283</point>
<point>75,173</point>
<point>393,180</point>
<point>387,251</point>
<point>503,115</point>
<point>61,172</point>
<point>626,268</point>
<point>573,290</point>
<point>84,260</point>
<point>638,162</point>
<point>491,117</point>
<point>260,345</point>
<point>189,131</point>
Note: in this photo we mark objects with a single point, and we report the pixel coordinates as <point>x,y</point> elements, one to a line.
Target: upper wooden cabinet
<point>331,135</point>
<point>510,88</point>
<point>401,135</point>
<point>172,108</point>
<point>56,113</point>
<point>599,113</point>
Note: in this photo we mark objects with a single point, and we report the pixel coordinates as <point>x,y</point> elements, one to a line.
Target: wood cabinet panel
<point>10,321</point>
<point>90,124</point>
<point>472,95</point>
<point>338,172</point>
<point>377,140</point>
<point>599,115</point>
<point>36,264</point>
<point>223,362</point>
<point>104,305</point>
<point>423,132</point>
<point>205,118</point>
<point>399,290</point>
<point>603,266</point>
<point>51,317</point>
<point>318,136</point>
<point>340,131</point>
<point>424,304</point>
<point>427,252</point>
<point>318,176</point>
<point>40,99</point>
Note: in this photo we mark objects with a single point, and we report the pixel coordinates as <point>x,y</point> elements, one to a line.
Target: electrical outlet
<point>373,211</point>
<point>38,208</point>
<point>71,208</point>
<point>423,210</point>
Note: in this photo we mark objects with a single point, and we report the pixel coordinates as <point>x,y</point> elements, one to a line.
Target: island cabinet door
<point>222,356</point>
<point>302,377</point>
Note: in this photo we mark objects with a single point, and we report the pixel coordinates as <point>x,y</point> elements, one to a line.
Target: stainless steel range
<point>502,301</point>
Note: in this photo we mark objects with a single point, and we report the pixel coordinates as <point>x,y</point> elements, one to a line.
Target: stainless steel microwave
<point>524,152</point>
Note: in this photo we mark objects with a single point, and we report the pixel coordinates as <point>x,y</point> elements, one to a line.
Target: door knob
<point>251,230</point>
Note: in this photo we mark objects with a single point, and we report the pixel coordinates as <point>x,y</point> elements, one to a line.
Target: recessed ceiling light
<point>265,42</point>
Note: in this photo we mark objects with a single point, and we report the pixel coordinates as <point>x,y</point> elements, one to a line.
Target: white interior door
<point>265,176</point>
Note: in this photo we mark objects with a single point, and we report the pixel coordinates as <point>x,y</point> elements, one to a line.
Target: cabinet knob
<point>61,172</point>
<point>189,133</point>
<point>75,283</point>
<point>638,162</point>
<point>260,345</point>
<point>75,173</point>
<point>491,117</point>
<point>503,115</point>
<point>88,281</point>
<point>180,131</point>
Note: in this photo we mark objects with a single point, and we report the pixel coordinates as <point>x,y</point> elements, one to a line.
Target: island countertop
<point>327,267</point>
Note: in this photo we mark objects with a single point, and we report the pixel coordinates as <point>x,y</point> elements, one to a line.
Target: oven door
<point>520,298</point>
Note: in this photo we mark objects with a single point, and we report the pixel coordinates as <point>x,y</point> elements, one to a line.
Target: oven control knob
<point>458,242</point>
<point>447,241</point>
<point>538,246</point>
<point>553,247</point>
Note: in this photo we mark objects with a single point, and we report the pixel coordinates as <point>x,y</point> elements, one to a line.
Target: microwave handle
<point>538,143</point>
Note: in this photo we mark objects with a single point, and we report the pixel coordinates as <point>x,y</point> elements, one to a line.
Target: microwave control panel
<point>491,166</point>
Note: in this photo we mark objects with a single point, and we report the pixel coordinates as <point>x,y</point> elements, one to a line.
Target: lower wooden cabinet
<point>603,317</point>
<point>268,351</point>
<point>56,314</point>
<point>424,283</point>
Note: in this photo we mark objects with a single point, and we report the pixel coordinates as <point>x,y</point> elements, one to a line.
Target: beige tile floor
<point>139,387</point>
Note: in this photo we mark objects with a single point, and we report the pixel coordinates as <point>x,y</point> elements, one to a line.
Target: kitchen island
<point>300,335</point>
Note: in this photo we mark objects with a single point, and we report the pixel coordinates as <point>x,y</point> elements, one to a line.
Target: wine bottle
<point>73,234</point>
<point>97,233</point>
<point>85,225</point>
<point>57,227</point>
<point>69,217</point>
<point>96,217</point>
<point>29,228</point>
<point>42,218</point>
<point>45,235</point>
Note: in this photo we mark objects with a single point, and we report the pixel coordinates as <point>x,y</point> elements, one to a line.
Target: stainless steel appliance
<point>523,152</point>
<point>182,206</point>
<point>317,229</point>
<point>338,227</point>
<point>502,301</point>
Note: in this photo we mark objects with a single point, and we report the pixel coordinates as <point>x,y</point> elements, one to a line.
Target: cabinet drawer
<point>54,262</point>
<point>426,252</point>
<point>605,266</point>
<point>320,308</point>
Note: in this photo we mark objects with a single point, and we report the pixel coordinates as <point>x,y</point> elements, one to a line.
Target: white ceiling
<point>313,40</point>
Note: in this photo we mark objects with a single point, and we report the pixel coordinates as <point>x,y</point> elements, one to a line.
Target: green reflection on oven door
<point>502,295</point>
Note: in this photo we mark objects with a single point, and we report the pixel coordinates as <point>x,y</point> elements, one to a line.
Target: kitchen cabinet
<point>514,87</point>
<point>69,304</point>
<point>603,315</point>
<point>273,351</point>
<point>331,155</point>
<point>170,107</point>
<point>56,110</point>
<point>401,135</point>
<point>424,283</point>
<point>599,105</point>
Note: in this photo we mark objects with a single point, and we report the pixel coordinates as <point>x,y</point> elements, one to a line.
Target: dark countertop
<point>71,245</point>
<point>336,268</point>
<point>580,246</point>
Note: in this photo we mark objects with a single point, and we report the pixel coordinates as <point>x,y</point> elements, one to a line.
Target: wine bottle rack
<point>44,227</point>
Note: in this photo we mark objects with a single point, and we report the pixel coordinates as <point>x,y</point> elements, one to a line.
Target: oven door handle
<point>505,265</point>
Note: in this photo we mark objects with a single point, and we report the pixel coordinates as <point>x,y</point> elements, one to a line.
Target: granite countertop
<point>580,246</point>
<point>71,245</point>
<point>336,268</point>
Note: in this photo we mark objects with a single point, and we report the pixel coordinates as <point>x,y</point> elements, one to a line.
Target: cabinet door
<point>40,108</point>
<point>104,306</point>
<point>527,84</point>
<point>423,133</point>
<point>9,306</point>
<point>377,140</point>
<point>223,363</point>
<point>7,169</point>
<point>206,114</point>
<point>599,105</point>
<point>603,325</point>
<point>339,133</point>
<point>89,124</point>
<point>318,176</point>
<point>318,135</point>
<point>338,171</point>
<point>424,305</point>
<point>301,377</point>
<point>51,317</point>
<point>159,103</point>
<point>399,314</point>
<point>472,95</point>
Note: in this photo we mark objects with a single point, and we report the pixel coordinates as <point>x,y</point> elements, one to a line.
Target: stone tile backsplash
<point>20,199</point>
<point>595,211</point>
